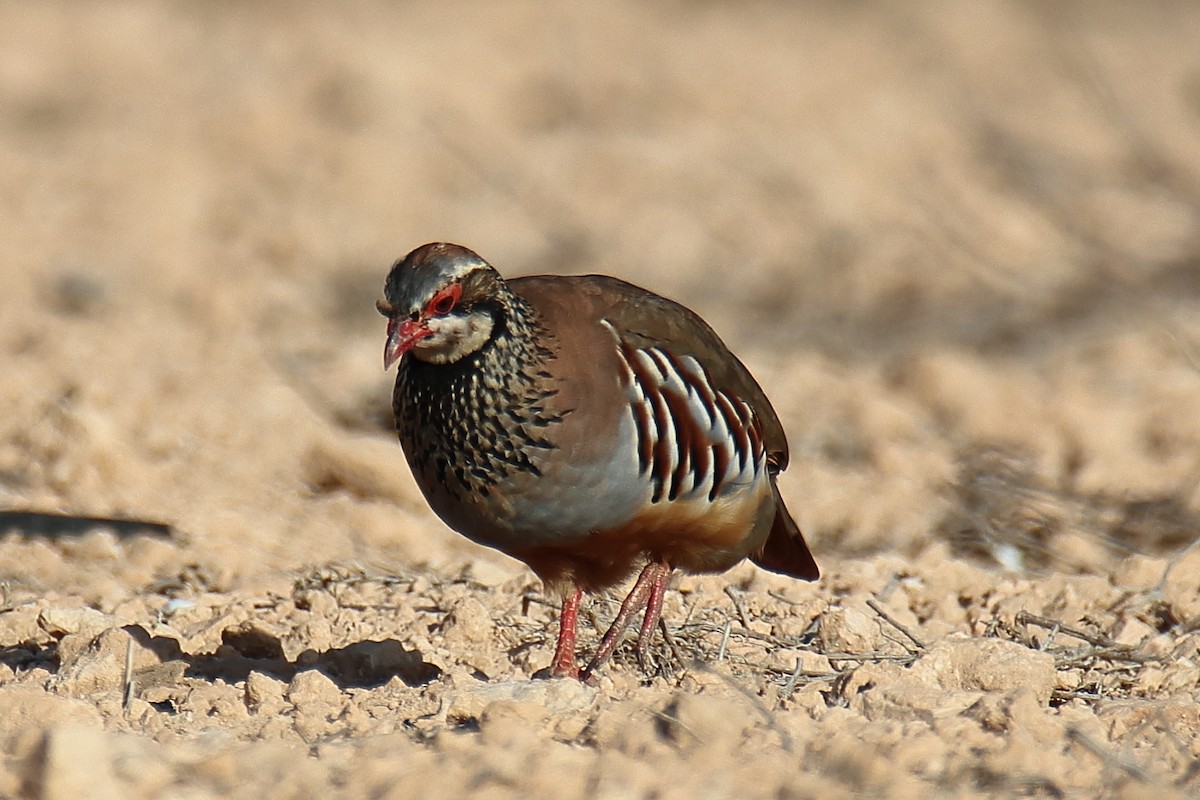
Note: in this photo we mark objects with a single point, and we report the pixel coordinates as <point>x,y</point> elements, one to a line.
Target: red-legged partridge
<point>586,427</point>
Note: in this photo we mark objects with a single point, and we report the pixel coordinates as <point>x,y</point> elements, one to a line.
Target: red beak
<point>402,336</point>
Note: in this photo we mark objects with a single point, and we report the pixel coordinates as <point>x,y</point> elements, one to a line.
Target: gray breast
<point>500,459</point>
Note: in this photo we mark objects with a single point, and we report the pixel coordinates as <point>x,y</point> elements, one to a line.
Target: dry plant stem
<point>1172,563</point>
<point>672,643</point>
<point>1134,770</point>
<point>878,609</point>
<point>724,640</point>
<point>647,593</point>
<point>127,695</point>
<point>785,738</point>
<point>739,606</point>
<point>790,686</point>
<point>1024,617</point>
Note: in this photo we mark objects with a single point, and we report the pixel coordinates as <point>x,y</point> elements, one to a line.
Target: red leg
<point>654,603</point>
<point>646,594</point>
<point>563,665</point>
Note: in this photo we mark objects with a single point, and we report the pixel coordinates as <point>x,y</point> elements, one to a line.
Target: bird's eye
<point>444,301</point>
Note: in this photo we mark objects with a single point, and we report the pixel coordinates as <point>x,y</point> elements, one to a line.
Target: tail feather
<point>785,550</point>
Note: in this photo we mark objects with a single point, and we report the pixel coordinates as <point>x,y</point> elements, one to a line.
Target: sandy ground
<point>959,244</point>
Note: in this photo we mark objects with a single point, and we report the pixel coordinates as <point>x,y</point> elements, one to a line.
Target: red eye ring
<point>445,300</point>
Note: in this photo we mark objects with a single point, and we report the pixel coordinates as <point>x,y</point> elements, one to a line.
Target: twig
<point>1069,659</point>
<point>790,686</point>
<point>785,738</point>
<point>672,643</point>
<point>739,606</point>
<point>724,641</point>
<point>775,641</point>
<point>889,587</point>
<point>127,698</point>
<point>1099,640</point>
<point>912,637</point>
<point>1126,765</point>
<point>907,658</point>
<point>1173,562</point>
<point>777,595</point>
<point>674,720</point>
<point>1078,694</point>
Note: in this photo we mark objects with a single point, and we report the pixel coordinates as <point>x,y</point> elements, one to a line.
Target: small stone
<point>1133,632</point>
<point>312,686</point>
<point>848,630</point>
<point>469,622</point>
<point>315,633</point>
<point>264,694</point>
<point>89,666</point>
<point>86,621</point>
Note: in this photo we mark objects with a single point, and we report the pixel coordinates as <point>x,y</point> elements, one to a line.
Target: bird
<point>587,427</point>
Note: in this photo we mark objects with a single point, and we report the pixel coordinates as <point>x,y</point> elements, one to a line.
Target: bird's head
<point>440,304</point>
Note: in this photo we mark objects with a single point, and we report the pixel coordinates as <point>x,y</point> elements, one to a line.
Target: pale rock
<point>311,686</point>
<point>264,694</point>
<point>85,621</point>
<point>100,665</point>
<point>469,623</point>
<point>314,633</point>
<point>216,700</point>
<point>561,696</point>
<point>849,630</point>
<point>1132,631</point>
<point>318,703</point>
<point>887,691</point>
<point>986,665</point>
<point>20,623</point>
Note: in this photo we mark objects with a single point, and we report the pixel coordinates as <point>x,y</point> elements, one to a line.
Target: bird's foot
<point>647,593</point>
<point>559,671</point>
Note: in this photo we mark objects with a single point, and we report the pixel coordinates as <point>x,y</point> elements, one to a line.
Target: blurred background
<point>959,244</point>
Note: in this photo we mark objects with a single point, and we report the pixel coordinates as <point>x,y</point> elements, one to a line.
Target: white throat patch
<point>454,336</point>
